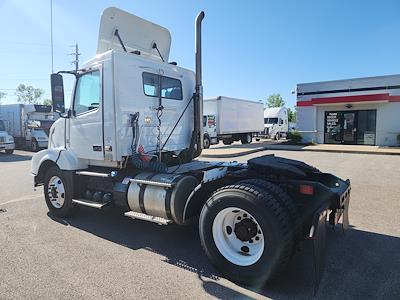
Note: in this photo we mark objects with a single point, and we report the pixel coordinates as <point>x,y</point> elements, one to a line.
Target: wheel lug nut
<point>239,218</point>
<point>228,230</point>
<point>251,241</point>
<point>245,249</point>
<point>257,238</point>
<point>245,216</point>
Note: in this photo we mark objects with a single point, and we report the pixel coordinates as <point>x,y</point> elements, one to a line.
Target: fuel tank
<point>161,195</point>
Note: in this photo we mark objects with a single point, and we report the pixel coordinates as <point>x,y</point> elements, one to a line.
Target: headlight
<point>10,139</point>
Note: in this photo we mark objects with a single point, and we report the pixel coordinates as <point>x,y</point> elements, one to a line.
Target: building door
<point>349,128</point>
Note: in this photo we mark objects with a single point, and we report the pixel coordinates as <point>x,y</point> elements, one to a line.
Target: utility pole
<point>76,57</point>
<point>51,35</point>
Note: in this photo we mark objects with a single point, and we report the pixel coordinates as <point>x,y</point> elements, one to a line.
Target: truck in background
<point>276,123</point>
<point>6,140</point>
<point>236,119</point>
<point>210,131</point>
<point>29,124</point>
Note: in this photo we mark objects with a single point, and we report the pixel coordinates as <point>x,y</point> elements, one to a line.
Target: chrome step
<point>90,203</point>
<point>144,217</point>
<point>94,174</point>
<point>151,182</point>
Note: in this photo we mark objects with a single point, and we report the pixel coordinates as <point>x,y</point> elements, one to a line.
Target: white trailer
<point>28,124</point>
<point>236,119</point>
<point>276,123</point>
<point>130,139</point>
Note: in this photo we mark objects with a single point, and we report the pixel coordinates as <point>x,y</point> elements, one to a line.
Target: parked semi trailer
<point>236,119</point>
<point>131,138</point>
<point>28,124</point>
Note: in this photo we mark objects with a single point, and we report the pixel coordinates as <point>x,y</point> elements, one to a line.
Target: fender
<point>63,158</point>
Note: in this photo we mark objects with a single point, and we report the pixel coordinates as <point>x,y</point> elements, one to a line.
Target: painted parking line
<point>24,198</point>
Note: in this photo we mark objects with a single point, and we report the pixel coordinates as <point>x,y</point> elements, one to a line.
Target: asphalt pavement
<point>102,254</point>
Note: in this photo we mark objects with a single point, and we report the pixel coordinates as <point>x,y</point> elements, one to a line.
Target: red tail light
<point>306,189</point>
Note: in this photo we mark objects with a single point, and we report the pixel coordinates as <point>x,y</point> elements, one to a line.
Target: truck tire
<point>34,145</point>
<point>246,138</point>
<point>276,137</point>
<point>245,232</point>
<point>284,199</point>
<point>9,151</point>
<point>206,142</point>
<point>227,142</point>
<point>58,191</point>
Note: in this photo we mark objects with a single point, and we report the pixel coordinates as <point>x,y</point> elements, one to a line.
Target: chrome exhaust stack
<point>198,97</point>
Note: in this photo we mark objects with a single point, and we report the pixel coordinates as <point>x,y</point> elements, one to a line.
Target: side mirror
<point>57,93</point>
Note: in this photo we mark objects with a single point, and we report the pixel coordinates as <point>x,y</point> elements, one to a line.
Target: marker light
<point>306,189</point>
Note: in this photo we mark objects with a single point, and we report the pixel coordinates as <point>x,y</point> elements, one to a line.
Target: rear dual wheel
<point>245,233</point>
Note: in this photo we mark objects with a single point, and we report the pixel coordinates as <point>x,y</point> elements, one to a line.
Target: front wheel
<point>206,142</point>
<point>34,145</point>
<point>58,192</point>
<point>245,233</point>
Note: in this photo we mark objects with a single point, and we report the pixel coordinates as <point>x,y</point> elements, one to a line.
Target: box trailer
<point>236,119</point>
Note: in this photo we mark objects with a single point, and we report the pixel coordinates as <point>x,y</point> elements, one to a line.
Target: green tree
<point>28,94</point>
<point>292,114</point>
<point>47,102</point>
<point>275,100</point>
<point>2,95</point>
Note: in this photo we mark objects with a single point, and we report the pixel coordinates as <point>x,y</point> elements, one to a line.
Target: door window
<point>87,93</point>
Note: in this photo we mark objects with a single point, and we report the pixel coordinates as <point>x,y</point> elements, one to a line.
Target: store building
<point>360,111</point>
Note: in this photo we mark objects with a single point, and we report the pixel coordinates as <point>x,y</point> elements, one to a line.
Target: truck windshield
<point>2,127</point>
<point>270,120</point>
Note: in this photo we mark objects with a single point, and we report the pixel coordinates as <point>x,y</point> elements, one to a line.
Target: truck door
<point>86,122</point>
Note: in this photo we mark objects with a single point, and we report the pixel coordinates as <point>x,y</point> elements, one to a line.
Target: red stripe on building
<point>349,99</point>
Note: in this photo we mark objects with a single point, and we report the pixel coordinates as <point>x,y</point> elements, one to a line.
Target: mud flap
<point>318,236</point>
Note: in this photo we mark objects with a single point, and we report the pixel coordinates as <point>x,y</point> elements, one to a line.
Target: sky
<point>251,49</point>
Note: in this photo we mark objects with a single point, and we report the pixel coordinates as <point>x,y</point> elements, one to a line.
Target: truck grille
<point>2,139</point>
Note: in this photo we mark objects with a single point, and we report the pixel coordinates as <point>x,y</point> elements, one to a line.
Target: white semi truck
<point>131,138</point>
<point>28,124</point>
<point>276,123</point>
<point>236,119</point>
<point>6,140</point>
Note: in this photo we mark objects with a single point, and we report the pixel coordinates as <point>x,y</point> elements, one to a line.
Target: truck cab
<point>210,131</point>
<point>276,124</point>
<point>6,141</point>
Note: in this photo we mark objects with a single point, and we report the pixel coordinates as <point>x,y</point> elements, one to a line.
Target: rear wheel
<point>9,151</point>
<point>58,192</point>
<point>246,138</point>
<point>227,142</point>
<point>245,233</point>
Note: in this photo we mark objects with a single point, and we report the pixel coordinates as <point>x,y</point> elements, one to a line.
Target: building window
<point>350,127</point>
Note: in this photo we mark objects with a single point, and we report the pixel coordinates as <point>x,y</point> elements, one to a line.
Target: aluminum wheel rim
<point>56,192</point>
<point>230,244</point>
